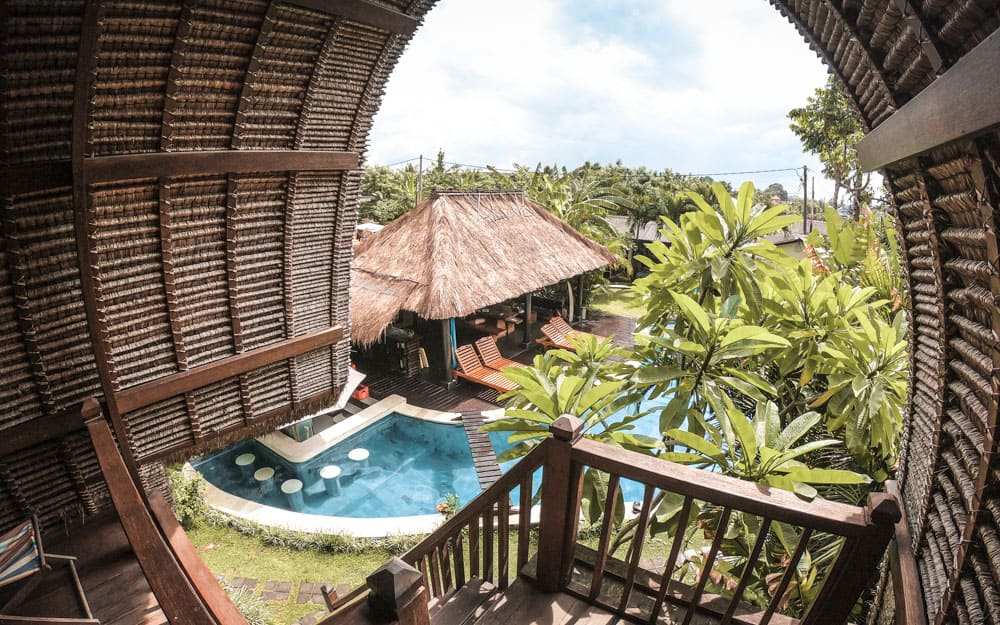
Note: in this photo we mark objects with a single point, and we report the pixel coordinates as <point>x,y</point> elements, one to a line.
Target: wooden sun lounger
<point>471,368</point>
<point>185,588</point>
<point>567,330</point>
<point>552,337</point>
<point>491,356</point>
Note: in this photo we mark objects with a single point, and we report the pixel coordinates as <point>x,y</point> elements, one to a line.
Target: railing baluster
<point>675,550</point>
<point>503,541</point>
<point>610,503</point>
<point>713,552</point>
<point>457,547</point>
<point>488,544</point>
<point>524,522</point>
<point>474,547</point>
<point>765,527</point>
<point>787,577</point>
<point>858,557</point>
<point>432,567</point>
<point>445,562</point>
<point>637,541</point>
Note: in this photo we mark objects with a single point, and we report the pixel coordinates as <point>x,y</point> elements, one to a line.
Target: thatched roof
<point>461,251</point>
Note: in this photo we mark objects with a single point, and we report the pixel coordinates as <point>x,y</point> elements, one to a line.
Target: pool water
<point>412,465</point>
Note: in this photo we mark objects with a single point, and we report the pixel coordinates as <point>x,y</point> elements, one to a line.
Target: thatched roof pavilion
<point>459,251</point>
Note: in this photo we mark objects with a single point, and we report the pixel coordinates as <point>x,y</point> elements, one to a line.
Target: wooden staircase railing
<point>476,542</point>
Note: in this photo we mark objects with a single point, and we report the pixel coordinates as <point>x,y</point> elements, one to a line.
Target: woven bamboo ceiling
<point>180,180</point>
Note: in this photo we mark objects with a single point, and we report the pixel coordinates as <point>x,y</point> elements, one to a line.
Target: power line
<point>740,173</point>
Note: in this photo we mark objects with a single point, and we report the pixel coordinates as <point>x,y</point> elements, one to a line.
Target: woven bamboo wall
<point>182,268</point>
<point>886,52</point>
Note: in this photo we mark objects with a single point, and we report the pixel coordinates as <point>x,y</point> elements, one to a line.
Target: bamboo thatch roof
<point>459,251</point>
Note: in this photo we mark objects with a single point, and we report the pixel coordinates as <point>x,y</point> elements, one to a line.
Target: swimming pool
<point>412,465</point>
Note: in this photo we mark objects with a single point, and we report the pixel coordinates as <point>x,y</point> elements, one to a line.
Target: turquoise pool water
<point>412,465</point>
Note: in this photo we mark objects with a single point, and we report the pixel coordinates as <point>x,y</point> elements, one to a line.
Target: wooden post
<point>857,562</point>
<point>561,483</point>
<point>398,593</point>
<point>448,349</point>
<point>527,320</point>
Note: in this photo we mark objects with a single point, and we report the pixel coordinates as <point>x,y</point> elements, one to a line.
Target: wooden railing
<point>476,542</point>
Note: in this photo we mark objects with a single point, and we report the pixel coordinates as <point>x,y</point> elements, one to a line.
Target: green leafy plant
<point>254,609</point>
<point>760,451</point>
<point>188,493</point>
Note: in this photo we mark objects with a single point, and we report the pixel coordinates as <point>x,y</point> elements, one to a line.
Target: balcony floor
<point>116,588</point>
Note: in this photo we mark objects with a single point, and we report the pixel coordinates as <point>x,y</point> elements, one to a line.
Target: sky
<point>697,86</point>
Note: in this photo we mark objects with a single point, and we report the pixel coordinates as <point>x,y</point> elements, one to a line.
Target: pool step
<point>483,456</point>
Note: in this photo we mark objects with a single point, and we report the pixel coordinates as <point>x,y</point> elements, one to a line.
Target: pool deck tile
<point>276,591</point>
<point>247,582</point>
<point>312,592</point>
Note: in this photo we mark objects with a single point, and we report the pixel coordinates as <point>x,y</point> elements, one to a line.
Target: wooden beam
<point>169,164</point>
<point>178,383</point>
<point>963,102</point>
<point>364,12</point>
<point>170,584</point>
<point>41,430</point>
<point>36,177</point>
<point>220,438</point>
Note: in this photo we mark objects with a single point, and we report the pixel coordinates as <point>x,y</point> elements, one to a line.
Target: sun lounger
<point>552,337</point>
<point>563,326</point>
<point>491,356</point>
<point>471,368</point>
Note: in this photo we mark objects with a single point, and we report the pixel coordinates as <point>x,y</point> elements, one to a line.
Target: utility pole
<point>805,199</point>
<point>813,210</point>
<point>420,181</point>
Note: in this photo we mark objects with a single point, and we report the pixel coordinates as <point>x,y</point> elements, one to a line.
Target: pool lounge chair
<point>23,559</point>
<point>491,356</point>
<point>567,330</point>
<point>552,337</point>
<point>471,368</point>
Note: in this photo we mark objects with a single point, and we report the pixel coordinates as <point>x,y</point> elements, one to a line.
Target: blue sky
<point>699,86</point>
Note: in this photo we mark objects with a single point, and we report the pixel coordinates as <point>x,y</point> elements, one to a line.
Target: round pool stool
<point>265,479</point>
<point>331,479</point>
<point>244,462</point>
<point>359,455</point>
<point>293,490</point>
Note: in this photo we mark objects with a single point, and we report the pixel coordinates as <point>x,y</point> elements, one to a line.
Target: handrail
<point>485,522</point>
<point>482,503</point>
<point>774,503</point>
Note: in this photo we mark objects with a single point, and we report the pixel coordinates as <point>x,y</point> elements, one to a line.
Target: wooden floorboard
<point>466,397</point>
<point>115,586</point>
<point>522,604</point>
<point>484,457</point>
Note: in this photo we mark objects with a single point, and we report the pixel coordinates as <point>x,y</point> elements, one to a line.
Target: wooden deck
<point>111,577</point>
<point>522,603</point>
<point>484,457</point>
<point>466,397</point>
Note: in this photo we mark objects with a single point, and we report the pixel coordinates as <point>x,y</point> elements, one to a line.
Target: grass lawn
<point>230,553</point>
<point>617,301</point>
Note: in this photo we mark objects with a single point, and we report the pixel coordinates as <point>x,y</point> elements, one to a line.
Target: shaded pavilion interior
<point>179,189</point>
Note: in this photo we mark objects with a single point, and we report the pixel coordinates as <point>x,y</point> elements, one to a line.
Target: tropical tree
<point>830,127</point>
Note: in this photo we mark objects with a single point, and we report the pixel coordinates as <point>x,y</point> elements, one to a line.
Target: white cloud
<point>695,86</point>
